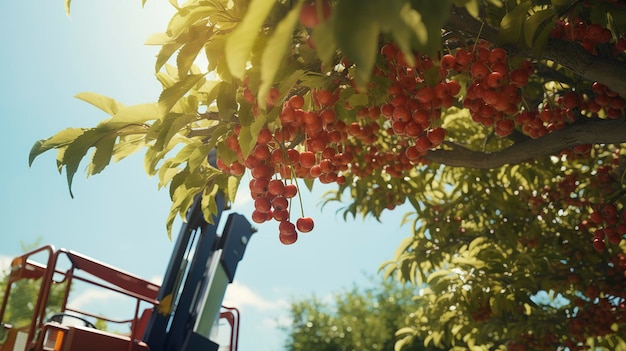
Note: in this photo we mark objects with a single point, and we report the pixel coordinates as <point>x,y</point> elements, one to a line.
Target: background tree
<point>357,319</point>
<point>500,122</point>
<point>23,297</point>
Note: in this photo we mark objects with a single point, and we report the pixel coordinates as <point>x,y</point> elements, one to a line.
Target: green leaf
<point>233,185</point>
<point>246,140</point>
<point>209,203</point>
<point>325,42</point>
<point>512,22</point>
<point>357,36</point>
<point>59,140</point>
<point>102,155</point>
<point>226,101</point>
<point>198,156</point>
<point>433,14</point>
<point>535,23</point>
<point>413,20</point>
<point>158,39</point>
<point>77,150</point>
<point>188,53</point>
<point>214,50</point>
<point>541,40</point>
<point>170,96</point>
<point>240,42</point>
<point>473,8</point>
<point>358,100</point>
<point>165,53</point>
<point>136,114</point>
<point>171,125</point>
<point>106,104</point>
<point>182,198</point>
<point>187,17</point>
<point>128,145</point>
<point>275,51</point>
<point>561,5</point>
<point>405,330</point>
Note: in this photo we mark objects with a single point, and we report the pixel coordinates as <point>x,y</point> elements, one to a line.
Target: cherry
<point>286,228</point>
<point>436,135</point>
<point>290,191</point>
<point>276,187</point>
<point>324,97</point>
<point>286,239</point>
<point>272,96</point>
<point>305,224</point>
<point>265,136</point>
<point>307,159</point>
<point>259,185</point>
<point>280,203</point>
<point>280,215</point>
<point>309,13</point>
<point>296,102</point>
<point>262,204</point>
<point>259,217</point>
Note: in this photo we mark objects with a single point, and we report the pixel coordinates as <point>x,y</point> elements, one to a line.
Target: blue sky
<point>119,216</point>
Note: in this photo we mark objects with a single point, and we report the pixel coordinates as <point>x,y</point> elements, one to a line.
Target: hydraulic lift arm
<point>201,267</point>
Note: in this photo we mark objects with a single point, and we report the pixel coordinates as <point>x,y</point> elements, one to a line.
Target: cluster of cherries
<point>601,307</point>
<point>592,37</point>
<point>400,122</point>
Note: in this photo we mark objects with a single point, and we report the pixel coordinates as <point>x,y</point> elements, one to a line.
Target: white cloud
<point>157,279</point>
<point>5,263</point>
<point>92,297</point>
<point>239,295</point>
<point>243,195</point>
<point>277,323</point>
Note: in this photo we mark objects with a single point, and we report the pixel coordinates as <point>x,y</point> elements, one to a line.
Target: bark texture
<point>592,132</point>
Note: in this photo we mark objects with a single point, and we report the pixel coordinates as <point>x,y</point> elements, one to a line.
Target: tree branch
<point>592,132</point>
<point>571,55</point>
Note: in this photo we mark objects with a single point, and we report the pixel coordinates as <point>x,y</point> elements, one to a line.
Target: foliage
<point>23,297</point>
<point>357,319</point>
<point>500,122</point>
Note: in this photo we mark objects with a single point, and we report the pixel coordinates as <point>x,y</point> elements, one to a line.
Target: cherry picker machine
<point>181,314</point>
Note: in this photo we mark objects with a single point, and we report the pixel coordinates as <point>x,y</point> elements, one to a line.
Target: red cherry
<point>479,70</point>
<point>436,135</point>
<point>290,191</point>
<point>280,215</point>
<point>286,228</point>
<point>305,224</point>
<point>599,245</point>
<point>259,185</point>
<point>288,239</point>
<point>280,203</point>
<point>262,204</point>
<point>495,80</point>
<point>272,96</point>
<point>265,136</point>
<point>423,144</point>
<point>323,97</point>
<point>309,15</point>
<point>307,159</point>
<point>296,102</point>
<point>276,187</point>
<point>259,217</point>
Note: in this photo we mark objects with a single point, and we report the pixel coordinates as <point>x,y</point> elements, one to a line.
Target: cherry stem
<point>295,181</point>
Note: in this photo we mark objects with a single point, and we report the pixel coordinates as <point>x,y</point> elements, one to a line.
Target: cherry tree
<point>500,122</point>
